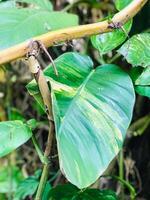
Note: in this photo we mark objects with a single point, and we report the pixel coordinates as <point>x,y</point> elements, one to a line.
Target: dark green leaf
<point>10,177</point>
<point>92,113</point>
<point>36,22</point>
<point>137,50</point>
<point>43,4</point>
<point>70,192</point>
<point>62,192</point>
<point>135,72</point>
<point>108,41</point>
<point>120,4</point>
<point>95,194</point>
<point>12,135</point>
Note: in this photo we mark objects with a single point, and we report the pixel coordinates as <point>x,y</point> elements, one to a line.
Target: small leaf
<point>35,21</point>
<point>95,194</point>
<point>144,78</point>
<point>120,4</point>
<point>43,4</point>
<point>69,192</point>
<point>26,188</point>
<point>12,135</point>
<point>108,41</point>
<point>143,90</point>
<point>10,177</point>
<point>137,50</point>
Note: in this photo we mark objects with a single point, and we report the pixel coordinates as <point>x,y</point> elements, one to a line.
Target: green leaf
<point>92,113</point>
<point>12,135</point>
<point>144,78</point>
<point>140,77</point>
<point>10,177</point>
<point>26,188</point>
<point>95,194</point>
<point>18,25</point>
<point>120,4</point>
<point>108,41</point>
<point>137,50</point>
<point>143,90</point>
<point>63,191</point>
<point>69,192</point>
<point>43,4</point>
<point>15,114</point>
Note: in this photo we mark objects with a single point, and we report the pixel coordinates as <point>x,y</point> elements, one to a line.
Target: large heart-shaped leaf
<point>44,4</point>
<point>12,135</point>
<point>137,50</point>
<point>92,110</point>
<point>108,41</point>
<point>18,25</point>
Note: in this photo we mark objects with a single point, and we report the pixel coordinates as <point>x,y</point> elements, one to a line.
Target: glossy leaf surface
<point>108,41</point>
<point>92,113</point>
<point>12,135</point>
<point>137,50</point>
<point>18,25</point>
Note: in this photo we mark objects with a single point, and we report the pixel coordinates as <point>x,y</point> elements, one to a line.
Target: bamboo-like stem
<point>66,34</point>
<point>45,93</point>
